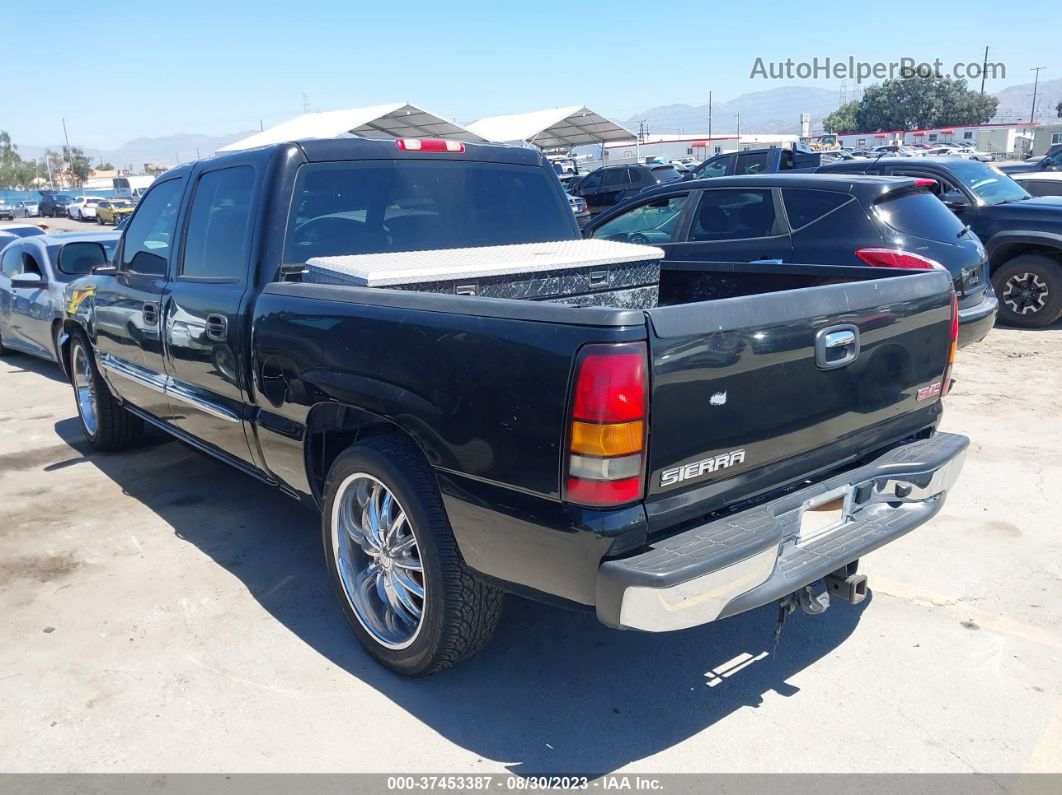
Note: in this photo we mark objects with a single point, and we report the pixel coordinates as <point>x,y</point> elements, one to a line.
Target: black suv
<point>787,221</point>
<point>1023,234</point>
<point>1051,161</point>
<point>611,185</point>
<point>53,205</point>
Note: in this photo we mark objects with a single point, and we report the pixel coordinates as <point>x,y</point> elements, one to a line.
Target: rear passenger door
<point>735,225</point>
<point>203,311</point>
<point>617,180</point>
<point>827,227</point>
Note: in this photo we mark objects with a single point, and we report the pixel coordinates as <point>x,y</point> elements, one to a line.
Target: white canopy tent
<point>552,129</point>
<point>398,120</point>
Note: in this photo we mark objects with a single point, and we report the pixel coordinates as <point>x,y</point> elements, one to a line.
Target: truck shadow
<point>554,692</point>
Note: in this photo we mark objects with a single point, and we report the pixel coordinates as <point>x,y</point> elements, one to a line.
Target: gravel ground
<point>163,613</point>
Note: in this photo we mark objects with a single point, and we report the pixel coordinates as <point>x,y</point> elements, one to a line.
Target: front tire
<point>398,574</point>
<point>108,426</point>
<point>1029,289</point>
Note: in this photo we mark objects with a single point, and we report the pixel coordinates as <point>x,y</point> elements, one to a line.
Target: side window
<point>616,177</point>
<point>751,164</point>
<point>807,206</point>
<point>1056,158</point>
<point>636,175</point>
<point>149,237</point>
<point>591,181</point>
<point>30,264</point>
<point>219,225</point>
<point>103,206</point>
<point>11,261</point>
<point>733,215</point>
<point>654,222</point>
<point>713,168</point>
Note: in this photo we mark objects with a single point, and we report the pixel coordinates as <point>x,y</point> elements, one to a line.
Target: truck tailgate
<point>757,392</point>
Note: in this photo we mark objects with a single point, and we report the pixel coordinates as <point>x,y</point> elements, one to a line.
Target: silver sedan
<point>34,272</point>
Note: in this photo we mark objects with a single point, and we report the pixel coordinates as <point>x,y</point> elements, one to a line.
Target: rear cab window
<point>376,206</point>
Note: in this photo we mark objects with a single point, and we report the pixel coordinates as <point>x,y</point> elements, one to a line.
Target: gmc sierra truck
<point>744,440</point>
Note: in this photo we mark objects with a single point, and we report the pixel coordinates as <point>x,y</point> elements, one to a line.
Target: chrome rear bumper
<point>754,557</point>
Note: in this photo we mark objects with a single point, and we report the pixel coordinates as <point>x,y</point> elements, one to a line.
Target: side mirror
<point>29,280</point>
<point>954,200</point>
<point>81,258</point>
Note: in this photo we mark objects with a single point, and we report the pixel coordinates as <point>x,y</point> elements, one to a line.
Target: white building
<point>697,146</point>
<point>996,138</point>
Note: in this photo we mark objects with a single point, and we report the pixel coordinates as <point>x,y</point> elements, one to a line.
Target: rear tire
<point>1029,289</point>
<point>371,561</point>
<point>108,426</point>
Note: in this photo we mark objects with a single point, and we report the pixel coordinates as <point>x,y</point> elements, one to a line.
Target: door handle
<point>217,328</point>
<point>151,314</point>
<point>836,346</point>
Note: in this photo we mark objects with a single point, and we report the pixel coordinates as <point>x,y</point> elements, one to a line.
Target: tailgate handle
<point>836,346</point>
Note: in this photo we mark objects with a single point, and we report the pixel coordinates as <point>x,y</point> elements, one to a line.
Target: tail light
<point>428,145</point>
<point>896,258</point>
<point>946,380</point>
<point>606,438</point>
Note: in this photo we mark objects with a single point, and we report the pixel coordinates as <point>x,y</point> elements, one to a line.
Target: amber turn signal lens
<point>618,438</point>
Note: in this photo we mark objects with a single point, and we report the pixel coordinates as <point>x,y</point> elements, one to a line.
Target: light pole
<point>1036,85</point>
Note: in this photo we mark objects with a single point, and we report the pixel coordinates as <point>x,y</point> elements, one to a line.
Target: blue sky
<point>219,67</point>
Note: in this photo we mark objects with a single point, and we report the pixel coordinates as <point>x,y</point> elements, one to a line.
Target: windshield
<point>406,205</point>
<point>990,186</point>
<point>118,205</point>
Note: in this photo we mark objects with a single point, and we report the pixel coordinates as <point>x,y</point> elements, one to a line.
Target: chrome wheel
<point>378,560</point>
<point>1025,292</point>
<point>84,388</point>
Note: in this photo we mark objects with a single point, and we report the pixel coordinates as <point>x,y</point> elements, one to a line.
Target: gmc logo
<point>927,392</point>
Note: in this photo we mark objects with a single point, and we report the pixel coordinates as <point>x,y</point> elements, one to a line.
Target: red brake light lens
<point>429,145</point>
<point>896,258</point>
<point>606,436</point>
<point>610,386</point>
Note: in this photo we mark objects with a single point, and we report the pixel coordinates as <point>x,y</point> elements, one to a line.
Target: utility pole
<point>984,71</point>
<point>305,102</point>
<point>69,157</point>
<point>1036,85</point>
<point>706,155</point>
<point>738,117</point>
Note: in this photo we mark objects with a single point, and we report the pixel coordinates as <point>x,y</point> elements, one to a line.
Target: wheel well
<point>69,326</point>
<point>331,429</point>
<point>1009,251</point>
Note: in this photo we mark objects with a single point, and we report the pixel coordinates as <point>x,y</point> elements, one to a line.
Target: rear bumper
<point>752,558</point>
<point>976,321</point>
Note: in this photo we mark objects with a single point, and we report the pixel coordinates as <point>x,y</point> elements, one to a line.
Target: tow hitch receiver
<point>850,587</point>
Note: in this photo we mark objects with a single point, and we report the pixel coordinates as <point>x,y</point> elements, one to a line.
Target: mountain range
<point>775,110</point>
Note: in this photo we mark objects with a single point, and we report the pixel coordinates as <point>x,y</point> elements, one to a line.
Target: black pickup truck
<point>744,440</point>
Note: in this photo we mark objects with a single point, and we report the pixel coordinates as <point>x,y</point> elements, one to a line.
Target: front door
<point>128,306</point>
<point>202,311</point>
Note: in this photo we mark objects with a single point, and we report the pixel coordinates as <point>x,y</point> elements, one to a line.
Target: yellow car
<point>112,211</point>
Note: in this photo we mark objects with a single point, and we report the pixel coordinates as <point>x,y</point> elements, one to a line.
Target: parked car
<point>780,221</point>
<point>24,230</point>
<point>111,211</point>
<point>1023,235</point>
<point>1039,183</point>
<point>83,208</point>
<point>26,208</point>
<point>34,272</point>
<point>1051,161</point>
<point>459,445</point>
<point>7,211</point>
<point>53,205</point>
<point>610,185</point>
<point>582,212</point>
<point>760,161</point>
